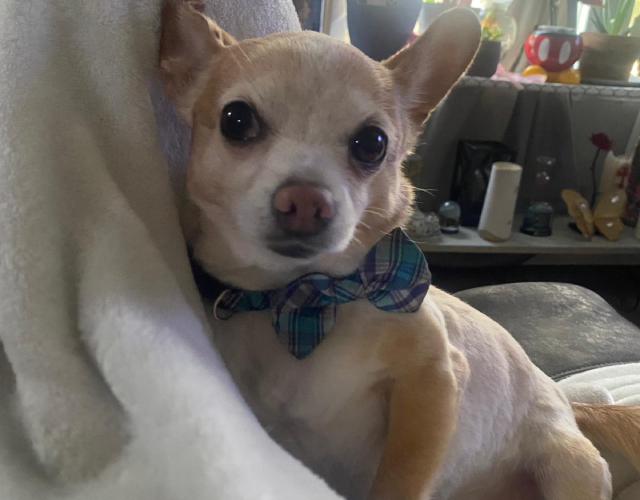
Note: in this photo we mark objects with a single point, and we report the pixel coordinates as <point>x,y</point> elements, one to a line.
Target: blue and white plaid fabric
<point>394,277</point>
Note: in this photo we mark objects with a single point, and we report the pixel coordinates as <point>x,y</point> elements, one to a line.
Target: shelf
<point>629,91</point>
<point>562,241</point>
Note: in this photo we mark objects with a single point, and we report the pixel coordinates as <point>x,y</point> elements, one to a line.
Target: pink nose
<point>301,208</point>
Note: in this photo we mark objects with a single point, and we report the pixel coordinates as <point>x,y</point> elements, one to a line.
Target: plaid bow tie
<point>394,277</point>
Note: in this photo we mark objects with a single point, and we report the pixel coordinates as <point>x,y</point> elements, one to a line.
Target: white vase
<point>499,206</point>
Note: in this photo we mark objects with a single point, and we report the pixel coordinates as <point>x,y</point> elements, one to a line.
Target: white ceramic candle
<point>500,203</point>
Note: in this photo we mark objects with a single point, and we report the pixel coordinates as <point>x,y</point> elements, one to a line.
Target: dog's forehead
<point>310,74</point>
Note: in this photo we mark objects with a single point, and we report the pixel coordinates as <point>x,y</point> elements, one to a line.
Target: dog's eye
<point>369,145</point>
<point>239,122</point>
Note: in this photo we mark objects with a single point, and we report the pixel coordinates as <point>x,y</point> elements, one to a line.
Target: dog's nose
<point>303,208</point>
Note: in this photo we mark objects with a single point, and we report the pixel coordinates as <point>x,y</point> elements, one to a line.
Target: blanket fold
<point>109,385</point>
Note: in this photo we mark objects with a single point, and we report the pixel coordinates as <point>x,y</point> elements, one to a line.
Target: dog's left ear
<point>424,72</point>
<point>189,41</point>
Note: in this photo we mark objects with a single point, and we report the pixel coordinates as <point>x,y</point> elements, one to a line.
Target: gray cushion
<point>564,328</point>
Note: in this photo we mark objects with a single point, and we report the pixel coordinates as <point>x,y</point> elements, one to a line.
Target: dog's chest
<point>329,409</point>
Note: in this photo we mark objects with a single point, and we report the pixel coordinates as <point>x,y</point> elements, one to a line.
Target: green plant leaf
<point>622,16</point>
<point>608,10</point>
<point>492,33</point>
<point>596,18</point>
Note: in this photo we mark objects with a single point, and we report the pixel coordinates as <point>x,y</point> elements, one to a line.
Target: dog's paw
<point>75,431</point>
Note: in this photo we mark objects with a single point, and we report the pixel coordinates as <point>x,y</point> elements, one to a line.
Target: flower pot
<point>608,57</point>
<point>380,28</point>
<point>486,62</point>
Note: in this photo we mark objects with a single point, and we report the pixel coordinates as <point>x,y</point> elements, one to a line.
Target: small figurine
<point>605,217</point>
<point>552,51</point>
<point>423,226</point>
<point>537,221</point>
<point>449,217</point>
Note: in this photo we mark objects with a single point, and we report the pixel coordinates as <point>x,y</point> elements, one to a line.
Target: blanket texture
<point>109,386</point>
<point>614,384</point>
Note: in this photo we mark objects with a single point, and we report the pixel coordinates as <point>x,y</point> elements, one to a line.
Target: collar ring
<point>217,303</point>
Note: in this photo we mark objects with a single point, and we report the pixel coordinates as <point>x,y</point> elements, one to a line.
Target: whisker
<point>377,214</point>
<point>381,210</point>
<point>371,228</point>
<point>423,190</point>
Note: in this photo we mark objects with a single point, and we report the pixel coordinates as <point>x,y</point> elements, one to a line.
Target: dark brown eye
<point>369,146</point>
<point>239,122</point>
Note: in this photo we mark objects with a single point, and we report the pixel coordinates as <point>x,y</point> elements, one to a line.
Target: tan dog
<point>441,403</point>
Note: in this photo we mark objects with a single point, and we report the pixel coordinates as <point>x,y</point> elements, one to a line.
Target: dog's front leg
<point>423,409</point>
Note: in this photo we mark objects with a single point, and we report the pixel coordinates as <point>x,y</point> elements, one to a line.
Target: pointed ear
<point>188,42</point>
<point>425,72</point>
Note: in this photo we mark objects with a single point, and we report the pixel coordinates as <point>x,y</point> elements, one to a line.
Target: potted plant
<point>380,28</point>
<point>610,53</point>
<point>488,57</point>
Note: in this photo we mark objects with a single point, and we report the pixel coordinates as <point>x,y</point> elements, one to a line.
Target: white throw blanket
<point>109,378</point>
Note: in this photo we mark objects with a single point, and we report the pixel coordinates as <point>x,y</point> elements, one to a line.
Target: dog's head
<point>297,140</point>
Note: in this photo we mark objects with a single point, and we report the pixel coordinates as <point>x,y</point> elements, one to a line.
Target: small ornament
<point>633,191</point>
<point>449,217</point>
<point>603,143</point>
<point>552,51</point>
<point>623,173</point>
<point>606,217</point>
<point>422,226</point>
<point>615,173</point>
<point>537,221</point>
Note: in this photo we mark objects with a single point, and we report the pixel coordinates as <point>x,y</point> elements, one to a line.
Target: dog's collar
<point>394,277</point>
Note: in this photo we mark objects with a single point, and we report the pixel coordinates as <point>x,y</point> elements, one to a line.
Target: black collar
<point>209,287</point>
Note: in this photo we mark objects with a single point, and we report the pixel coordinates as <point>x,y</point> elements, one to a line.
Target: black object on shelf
<point>487,59</point>
<point>471,176</point>
<point>380,28</point>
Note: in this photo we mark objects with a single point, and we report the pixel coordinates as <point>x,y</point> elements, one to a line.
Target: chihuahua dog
<point>295,171</point>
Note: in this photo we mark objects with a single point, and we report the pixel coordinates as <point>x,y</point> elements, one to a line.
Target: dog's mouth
<point>298,245</point>
<point>293,249</point>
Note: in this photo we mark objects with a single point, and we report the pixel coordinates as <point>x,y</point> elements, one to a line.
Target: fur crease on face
<point>298,139</point>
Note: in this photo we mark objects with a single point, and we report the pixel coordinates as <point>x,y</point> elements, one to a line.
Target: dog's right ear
<point>425,71</point>
<point>188,42</point>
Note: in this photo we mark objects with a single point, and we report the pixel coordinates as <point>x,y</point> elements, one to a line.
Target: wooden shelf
<point>562,241</point>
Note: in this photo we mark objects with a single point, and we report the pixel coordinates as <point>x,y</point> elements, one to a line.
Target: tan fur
<point>418,432</point>
<point>617,428</point>
<point>389,406</point>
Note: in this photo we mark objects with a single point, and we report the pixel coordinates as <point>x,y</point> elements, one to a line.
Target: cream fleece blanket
<point>109,386</point>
